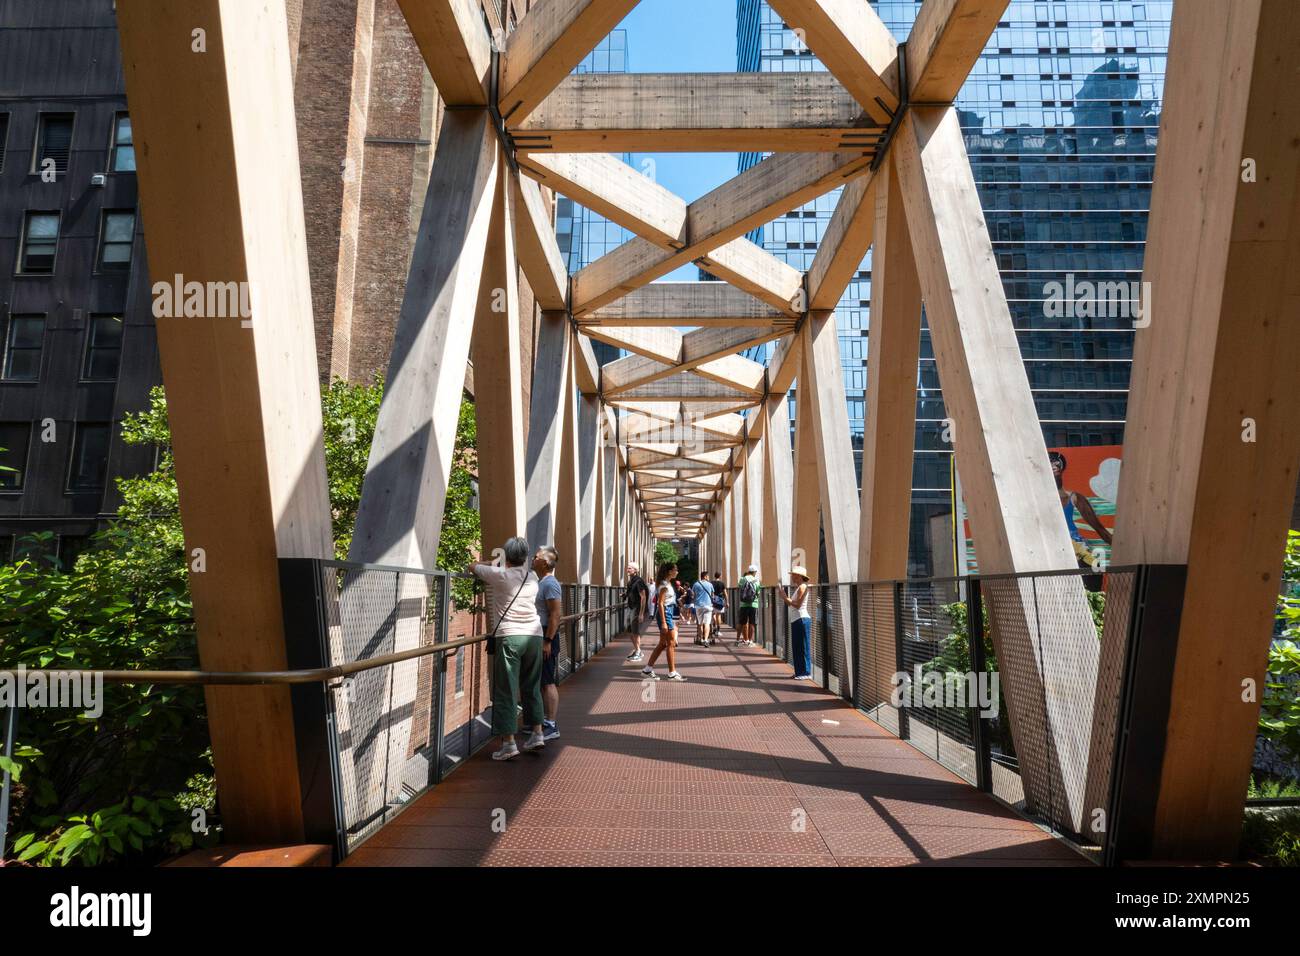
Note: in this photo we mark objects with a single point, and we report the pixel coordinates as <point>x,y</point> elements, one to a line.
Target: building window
<point>122,159</point>
<point>4,138</point>
<point>14,439</point>
<point>40,239</point>
<point>23,341</point>
<point>115,240</point>
<point>89,467</point>
<point>53,141</point>
<point>70,546</point>
<point>103,348</point>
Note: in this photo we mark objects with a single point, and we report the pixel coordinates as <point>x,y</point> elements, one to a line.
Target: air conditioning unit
<point>99,179</point>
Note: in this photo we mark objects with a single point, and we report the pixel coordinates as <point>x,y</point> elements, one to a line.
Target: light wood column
<point>778,462</point>
<point>589,488</point>
<point>498,402</point>
<point>568,522</point>
<point>220,192</point>
<point>1015,512</point>
<point>805,545</point>
<point>399,519</point>
<point>1211,449</point>
<point>546,426</point>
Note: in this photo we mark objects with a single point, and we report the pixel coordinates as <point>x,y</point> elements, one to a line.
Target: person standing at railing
<point>702,592</point>
<point>636,596</point>
<point>550,609</point>
<point>665,616</point>
<point>517,661</point>
<point>747,594</point>
<point>801,626</point>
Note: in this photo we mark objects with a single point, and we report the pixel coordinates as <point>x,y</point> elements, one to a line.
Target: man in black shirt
<point>636,596</point>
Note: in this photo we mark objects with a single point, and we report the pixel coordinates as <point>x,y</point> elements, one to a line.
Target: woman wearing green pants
<point>517,663</point>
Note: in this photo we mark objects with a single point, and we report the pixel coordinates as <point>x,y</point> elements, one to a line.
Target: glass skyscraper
<point>583,235</point>
<point>1060,116</point>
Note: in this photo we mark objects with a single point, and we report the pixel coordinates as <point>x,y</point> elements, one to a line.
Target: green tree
<point>1279,712</point>
<point>126,785</point>
<point>664,553</point>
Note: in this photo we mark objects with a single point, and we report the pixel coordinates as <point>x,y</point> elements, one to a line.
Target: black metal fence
<point>394,730</point>
<point>1016,683</point>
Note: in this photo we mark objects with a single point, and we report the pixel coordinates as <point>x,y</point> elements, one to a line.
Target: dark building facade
<point>75,306</point>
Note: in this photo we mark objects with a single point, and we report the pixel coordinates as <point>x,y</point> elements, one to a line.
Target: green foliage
<point>664,553</point>
<point>1271,788</point>
<point>1279,712</point>
<point>90,790</point>
<point>1271,835</point>
<point>459,541</point>
<point>125,786</point>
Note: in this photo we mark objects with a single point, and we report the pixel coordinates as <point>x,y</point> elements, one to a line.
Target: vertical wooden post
<point>778,463</point>
<point>1211,448</point>
<point>805,544</point>
<point>588,459</point>
<point>546,426</point>
<point>220,191</point>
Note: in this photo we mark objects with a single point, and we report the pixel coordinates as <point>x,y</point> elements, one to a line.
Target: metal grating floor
<point>738,766</point>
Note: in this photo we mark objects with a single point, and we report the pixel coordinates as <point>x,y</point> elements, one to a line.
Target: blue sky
<point>684,36</point>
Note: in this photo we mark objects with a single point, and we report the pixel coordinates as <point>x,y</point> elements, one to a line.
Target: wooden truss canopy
<point>685,436</point>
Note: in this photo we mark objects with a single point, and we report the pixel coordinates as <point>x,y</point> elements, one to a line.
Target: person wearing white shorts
<point>702,593</point>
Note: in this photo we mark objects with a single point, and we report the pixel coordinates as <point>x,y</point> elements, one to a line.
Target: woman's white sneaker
<point>673,675</point>
<point>649,672</point>
<point>508,751</point>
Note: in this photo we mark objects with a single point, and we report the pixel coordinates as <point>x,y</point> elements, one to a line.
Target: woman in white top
<point>801,626</point>
<point>666,616</point>
<point>517,663</point>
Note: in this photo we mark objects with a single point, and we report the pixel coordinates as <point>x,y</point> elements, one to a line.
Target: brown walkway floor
<point>739,765</point>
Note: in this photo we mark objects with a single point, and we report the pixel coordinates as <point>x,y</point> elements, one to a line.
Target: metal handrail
<point>261,678</point>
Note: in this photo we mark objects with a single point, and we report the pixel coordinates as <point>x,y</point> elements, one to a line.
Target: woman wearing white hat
<point>800,627</point>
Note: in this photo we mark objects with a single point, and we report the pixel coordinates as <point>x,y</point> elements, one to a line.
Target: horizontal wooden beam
<point>697,112</point>
<point>687,303</point>
<point>548,43</point>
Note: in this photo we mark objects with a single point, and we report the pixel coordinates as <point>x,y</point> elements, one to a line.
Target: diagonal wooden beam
<point>764,191</point>
<point>548,43</point>
<point>658,344</point>
<point>538,251</point>
<point>454,42</point>
<point>946,40</point>
<point>852,42</point>
<point>703,350</point>
<point>754,270</point>
<point>844,245</point>
<point>692,112</point>
<point>610,187</point>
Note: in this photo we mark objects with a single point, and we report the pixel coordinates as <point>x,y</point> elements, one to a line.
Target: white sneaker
<point>534,741</point>
<point>673,675</point>
<point>508,751</point>
<point>649,672</point>
<point>635,658</point>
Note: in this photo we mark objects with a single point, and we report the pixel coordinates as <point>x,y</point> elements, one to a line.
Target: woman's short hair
<point>516,550</point>
<point>550,556</point>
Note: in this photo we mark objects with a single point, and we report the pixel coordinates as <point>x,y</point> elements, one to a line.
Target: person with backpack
<point>636,597</point>
<point>515,643</point>
<point>747,598</point>
<point>702,594</point>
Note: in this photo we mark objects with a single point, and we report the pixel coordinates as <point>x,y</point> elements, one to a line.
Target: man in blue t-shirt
<point>550,608</point>
<point>702,594</point>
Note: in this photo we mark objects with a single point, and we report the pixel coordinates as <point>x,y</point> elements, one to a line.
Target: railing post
<point>11,728</point>
<point>900,667</point>
<point>440,678</point>
<point>852,635</point>
<point>823,620</point>
<point>980,736</point>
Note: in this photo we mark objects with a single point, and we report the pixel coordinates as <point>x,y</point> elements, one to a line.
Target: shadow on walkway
<point>738,766</point>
